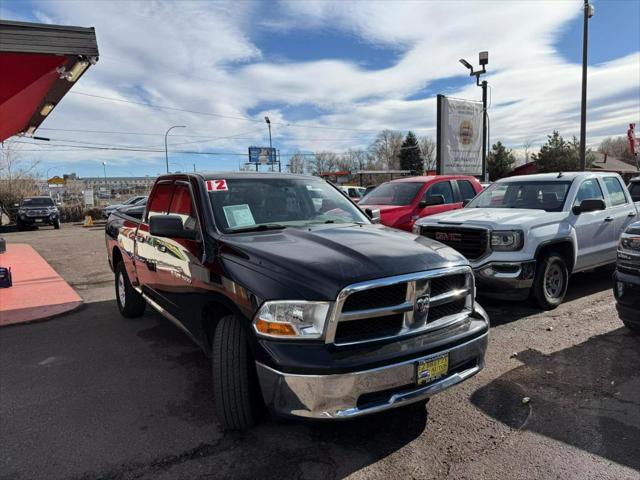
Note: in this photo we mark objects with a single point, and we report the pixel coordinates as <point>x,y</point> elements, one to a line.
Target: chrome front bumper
<point>340,396</point>
<point>508,280</point>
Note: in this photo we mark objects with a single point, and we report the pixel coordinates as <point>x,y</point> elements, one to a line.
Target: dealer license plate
<point>429,370</point>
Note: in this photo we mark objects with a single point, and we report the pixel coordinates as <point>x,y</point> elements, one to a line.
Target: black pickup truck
<point>302,302</point>
<point>627,278</point>
<point>37,211</point>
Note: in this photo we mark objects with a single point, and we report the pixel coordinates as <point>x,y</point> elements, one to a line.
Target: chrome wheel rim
<point>121,290</point>
<point>554,281</point>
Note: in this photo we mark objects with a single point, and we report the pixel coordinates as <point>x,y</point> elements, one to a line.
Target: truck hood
<point>494,218</point>
<point>319,262</point>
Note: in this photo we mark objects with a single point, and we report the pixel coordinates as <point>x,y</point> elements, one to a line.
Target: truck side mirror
<point>169,226</point>
<point>433,200</point>
<point>373,214</point>
<point>589,205</point>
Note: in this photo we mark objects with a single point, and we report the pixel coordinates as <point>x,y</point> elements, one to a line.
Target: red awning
<point>37,63</point>
<point>29,77</point>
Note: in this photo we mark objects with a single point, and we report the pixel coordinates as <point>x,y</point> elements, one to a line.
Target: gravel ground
<point>91,395</point>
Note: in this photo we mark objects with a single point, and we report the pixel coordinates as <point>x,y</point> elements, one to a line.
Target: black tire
<point>236,394</point>
<point>130,303</point>
<point>634,327</point>
<point>551,281</point>
<point>56,224</point>
<point>20,226</point>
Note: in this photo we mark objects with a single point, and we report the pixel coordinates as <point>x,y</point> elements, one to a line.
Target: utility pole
<point>166,148</point>
<point>266,119</point>
<point>104,167</point>
<point>588,13</point>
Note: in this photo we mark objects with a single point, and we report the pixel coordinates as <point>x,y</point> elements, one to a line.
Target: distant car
<point>37,211</point>
<point>131,201</point>
<point>627,278</point>
<point>403,201</point>
<point>353,192</point>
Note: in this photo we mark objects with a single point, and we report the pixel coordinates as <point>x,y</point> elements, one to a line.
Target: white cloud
<point>198,56</point>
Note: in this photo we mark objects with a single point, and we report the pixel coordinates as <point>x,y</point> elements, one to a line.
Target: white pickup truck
<point>525,235</point>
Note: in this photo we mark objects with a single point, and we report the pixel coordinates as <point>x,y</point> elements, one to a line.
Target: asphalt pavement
<point>91,395</point>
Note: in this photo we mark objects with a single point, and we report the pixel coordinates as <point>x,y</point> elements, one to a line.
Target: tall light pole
<point>104,168</point>
<point>266,119</point>
<point>484,61</point>
<point>588,13</point>
<point>166,148</point>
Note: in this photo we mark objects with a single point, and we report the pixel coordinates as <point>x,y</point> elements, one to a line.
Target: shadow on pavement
<point>94,395</point>
<point>587,396</point>
<point>580,285</point>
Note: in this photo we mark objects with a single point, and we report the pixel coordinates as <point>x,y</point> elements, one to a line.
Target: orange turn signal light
<point>274,328</point>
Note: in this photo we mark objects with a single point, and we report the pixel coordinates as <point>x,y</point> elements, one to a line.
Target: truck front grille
<point>37,213</point>
<point>402,305</point>
<point>470,242</point>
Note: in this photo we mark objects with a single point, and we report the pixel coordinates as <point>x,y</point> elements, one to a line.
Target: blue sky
<point>328,74</point>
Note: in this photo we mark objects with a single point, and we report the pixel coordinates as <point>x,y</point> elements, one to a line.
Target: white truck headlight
<point>292,319</point>
<point>630,243</point>
<point>415,229</point>
<point>507,240</point>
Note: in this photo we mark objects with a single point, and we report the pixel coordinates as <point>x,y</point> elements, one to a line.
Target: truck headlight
<point>415,229</point>
<point>630,243</point>
<point>288,319</point>
<point>507,240</point>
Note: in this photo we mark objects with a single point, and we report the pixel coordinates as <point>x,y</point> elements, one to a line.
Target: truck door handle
<point>632,214</point>
<point>608,219</point>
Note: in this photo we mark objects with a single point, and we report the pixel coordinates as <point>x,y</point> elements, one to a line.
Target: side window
<point>588,190</point>
<point>615,192</point>
<point>159,204</point>
<point>440,188</point>
<point>634,190</point>
<point>182,206</point>
<point>466,189</point>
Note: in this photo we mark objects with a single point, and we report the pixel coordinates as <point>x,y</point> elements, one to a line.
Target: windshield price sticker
<point>238,216</point>
<point>217,186</point>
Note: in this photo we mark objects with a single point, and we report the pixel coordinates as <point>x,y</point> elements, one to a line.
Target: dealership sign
<point>263,155</point>
<point>459,132</point>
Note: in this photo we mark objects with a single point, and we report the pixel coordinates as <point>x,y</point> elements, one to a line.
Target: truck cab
<point>303,304</point>
<point>403,201</point>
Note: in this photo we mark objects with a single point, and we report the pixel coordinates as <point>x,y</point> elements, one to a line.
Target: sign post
<point>460,133</point>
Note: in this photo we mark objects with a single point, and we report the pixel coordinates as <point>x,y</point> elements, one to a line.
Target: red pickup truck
<point>403,201</point>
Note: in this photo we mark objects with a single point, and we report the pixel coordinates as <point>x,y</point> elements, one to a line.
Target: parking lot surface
<point>92,395</point>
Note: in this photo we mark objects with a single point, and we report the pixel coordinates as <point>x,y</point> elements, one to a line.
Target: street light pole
<point>166,148</point>
<point>588,13</point>
<point>266,119</point>
<point>484,61</point>
<point>104,168</point>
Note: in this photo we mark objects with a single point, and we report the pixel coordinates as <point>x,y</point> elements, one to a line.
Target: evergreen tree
<point>410,157</point>
<point>500,161</point>
<point>558,155</point>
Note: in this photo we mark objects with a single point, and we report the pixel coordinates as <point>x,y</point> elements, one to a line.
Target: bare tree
<point>385,150</point>
<point>616,147</point>
<point>18,176</point>
<point>296,163</point>
<point>428,152</point>
<point>323,162</point>
<point>526,146</point>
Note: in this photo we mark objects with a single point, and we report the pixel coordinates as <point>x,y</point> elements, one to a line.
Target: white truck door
<point>593,231</point>
<point>622,208</point>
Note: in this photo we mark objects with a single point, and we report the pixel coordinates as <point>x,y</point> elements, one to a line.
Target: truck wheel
<point>236,395</point>
<point>20,226</point>
<point>56,224</point>
<point>551,281</point>
<point>634,327</point>
<point>130,303</point>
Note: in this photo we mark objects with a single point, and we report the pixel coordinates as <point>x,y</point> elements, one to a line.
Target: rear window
<point>634,189</point>
<point>615,191</point>
<point>466,189</point>
<point>400,193</point>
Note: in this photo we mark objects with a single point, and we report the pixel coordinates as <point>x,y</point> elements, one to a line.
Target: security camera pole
<point>588,13</point>
<point>484,61</point>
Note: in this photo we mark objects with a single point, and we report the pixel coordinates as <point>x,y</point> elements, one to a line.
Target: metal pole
<point>270,145</point>
<point>583,106</point>
<point>484,131</point>
<point>166,148</point>
<point>104,167</point>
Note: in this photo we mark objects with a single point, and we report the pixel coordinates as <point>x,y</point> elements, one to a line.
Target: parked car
<point>353,192</point>
<point>312,310</point>
<point>37,211</point>
<point>627,278</point>
<point>403,201</point>
<point>131,201</point>
<point>526,235</point>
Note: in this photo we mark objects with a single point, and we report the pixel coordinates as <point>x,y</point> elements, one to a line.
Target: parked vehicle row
<point>310,308</point>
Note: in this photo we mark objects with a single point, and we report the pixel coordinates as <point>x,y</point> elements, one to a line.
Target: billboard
<point>459,132</point>
<point>263,155</point>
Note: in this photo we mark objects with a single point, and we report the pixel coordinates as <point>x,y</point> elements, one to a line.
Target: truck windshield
<point>245,204</point>
<point>549,196</point>
<point>400,193</point>
<point>37,202</point>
